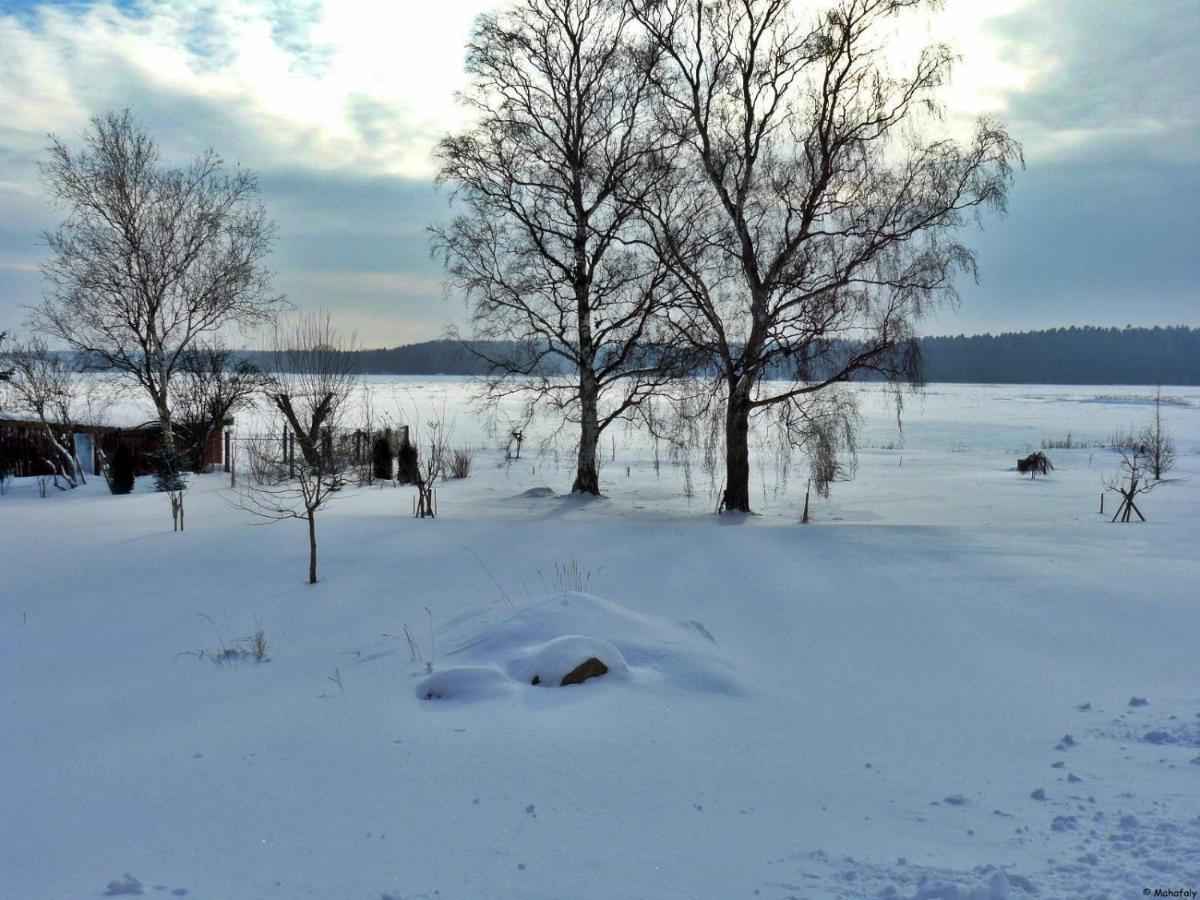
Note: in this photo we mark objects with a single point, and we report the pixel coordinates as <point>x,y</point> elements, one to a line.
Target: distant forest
<point>1056,356</point>
<point>1068,356</point>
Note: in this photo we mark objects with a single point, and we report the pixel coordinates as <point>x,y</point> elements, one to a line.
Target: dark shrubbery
<point>407,462</point>
<point>121,470</point>
<point>381,458</point>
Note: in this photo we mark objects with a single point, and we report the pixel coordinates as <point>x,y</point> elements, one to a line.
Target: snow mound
<point>536,493</point>
<point>552,637</point>
<point>465,683</point>
<point>994,884</point>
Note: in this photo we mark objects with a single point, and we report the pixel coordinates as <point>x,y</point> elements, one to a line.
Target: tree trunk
<point>312,547</point>
<point>737,451</point>
<point>587,475</point>
<point>164,423</point>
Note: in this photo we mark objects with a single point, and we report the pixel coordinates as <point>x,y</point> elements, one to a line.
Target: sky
<point>337,106</point>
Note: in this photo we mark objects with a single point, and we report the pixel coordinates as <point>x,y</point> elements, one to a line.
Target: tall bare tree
<point>810,217</point>
<point>551,177</point>
<point>150,257</point>
<point>313,379</point>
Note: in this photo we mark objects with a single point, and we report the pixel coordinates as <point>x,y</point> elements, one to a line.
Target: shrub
<point>381,458</point>
<point>407,463</point>
<point>254,647</point>
<point>460,462</point>
<point>121,470</point>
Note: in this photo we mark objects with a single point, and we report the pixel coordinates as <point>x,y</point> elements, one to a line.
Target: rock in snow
<point>589,668</point>
<point>560,661</point>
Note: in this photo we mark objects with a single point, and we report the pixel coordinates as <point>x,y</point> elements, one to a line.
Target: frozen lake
<point>941,466</point>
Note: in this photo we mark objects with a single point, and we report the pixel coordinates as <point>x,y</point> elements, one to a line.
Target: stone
<point>589,668</point>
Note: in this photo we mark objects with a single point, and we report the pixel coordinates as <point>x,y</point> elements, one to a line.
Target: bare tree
<point>211,385</point>
<point>313,380</point>
<point>808,221</point>
<point>1131,481</point>
<point>45,384</point>
<point>551,177</point>
<point>150,257</point>
<point>1160,447</point>
<point>313,374</point>
<point>433,456</point>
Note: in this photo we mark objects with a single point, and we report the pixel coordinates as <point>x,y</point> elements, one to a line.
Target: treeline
<point>1073,355</point>
<point>426,358</point>
<point>1067,356</point>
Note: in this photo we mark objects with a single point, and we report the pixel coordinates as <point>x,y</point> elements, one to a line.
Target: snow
<point>860,707</point>
<point>553,635</point>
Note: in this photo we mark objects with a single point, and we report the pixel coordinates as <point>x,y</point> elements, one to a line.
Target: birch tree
<point>809,223</point>
<point>150,257</point>
<point>550,177</point>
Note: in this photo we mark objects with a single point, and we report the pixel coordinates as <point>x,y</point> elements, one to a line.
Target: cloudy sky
<point>336,105</point>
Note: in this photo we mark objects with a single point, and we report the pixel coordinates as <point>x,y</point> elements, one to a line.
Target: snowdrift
<point>539,646</point>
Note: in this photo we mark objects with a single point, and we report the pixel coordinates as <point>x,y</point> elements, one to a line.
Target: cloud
<point>1104,243</point>
<point>359,245</point>
<point>348,85</point>
<point>1109,78</point>
<point>337,106</point>
<point>356,245</point>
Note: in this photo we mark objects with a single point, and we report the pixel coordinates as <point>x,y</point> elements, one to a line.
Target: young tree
<point>1131,480</point>
<point>150,257</point>
<point>431,462</point>
<point>312,381</point>
<point>808,222</point>
<point>550,177</point>
<point>211,385</point>
<point>1160,447</point>
<point>47,386</point>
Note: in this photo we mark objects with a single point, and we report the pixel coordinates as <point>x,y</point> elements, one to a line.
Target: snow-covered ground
<point>925,693</point>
